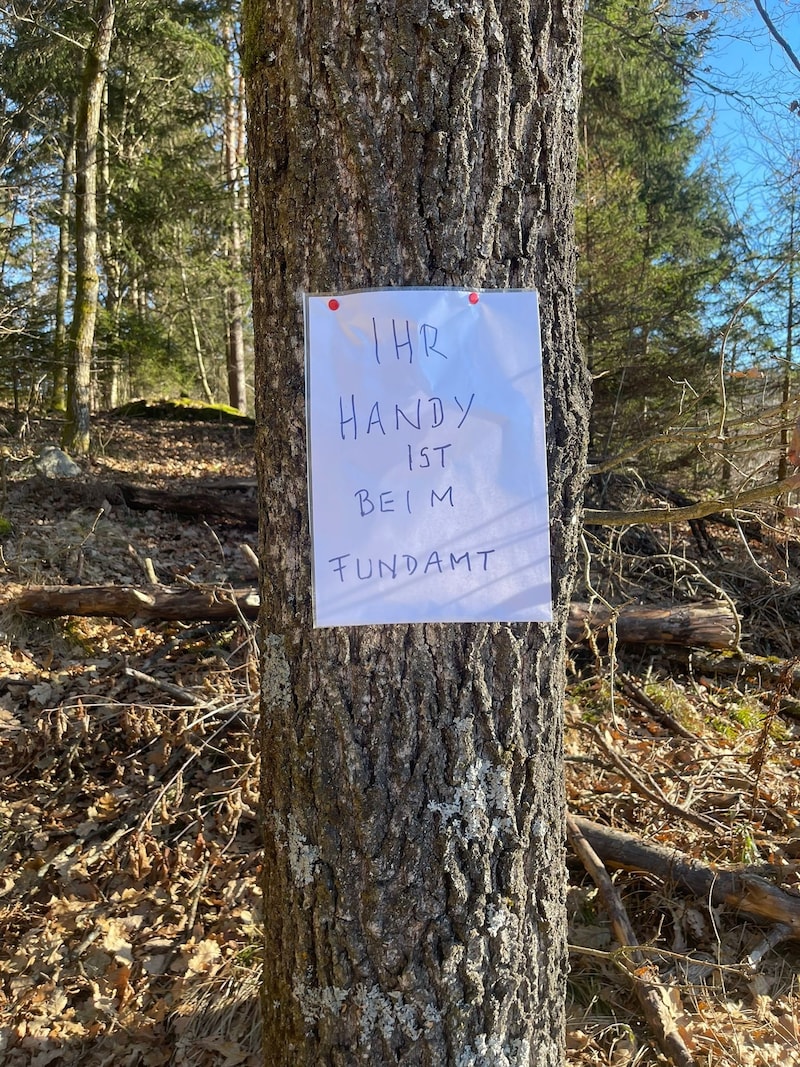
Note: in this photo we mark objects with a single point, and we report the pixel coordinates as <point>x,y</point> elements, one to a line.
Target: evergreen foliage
<point>655,241</point>
<point>661,266</point>
<point>164,205</point>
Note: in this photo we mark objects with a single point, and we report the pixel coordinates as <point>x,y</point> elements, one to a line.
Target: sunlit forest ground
<point>129,900</point>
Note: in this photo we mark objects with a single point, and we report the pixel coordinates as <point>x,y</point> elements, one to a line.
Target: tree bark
<point>234,302</point>
<point>60,355</point>
<point>87,283</point>
<point>412,775</point>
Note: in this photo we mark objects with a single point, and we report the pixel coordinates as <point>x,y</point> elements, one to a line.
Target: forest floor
<point>129,853</point>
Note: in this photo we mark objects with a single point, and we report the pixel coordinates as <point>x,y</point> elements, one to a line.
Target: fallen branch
<point>748,893</point>
<point>756,670</point>
<point>709,624</point>
<point>182,696</point>
<point>712,624</point>
<point>197,502</point>
<point>699,510</point>
<point>654,995</point>
<point>638,696</point>
<point>129,602</point>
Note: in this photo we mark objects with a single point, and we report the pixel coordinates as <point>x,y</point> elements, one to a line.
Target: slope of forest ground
<point>129,856</point>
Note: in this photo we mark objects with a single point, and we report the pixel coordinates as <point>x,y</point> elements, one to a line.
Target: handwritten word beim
<point>385,502</point>
<point>424,414</point>
<point>400,344</point>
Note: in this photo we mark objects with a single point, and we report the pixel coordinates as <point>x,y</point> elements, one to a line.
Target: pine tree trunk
<point>87,282</point>
<point>412,777</point>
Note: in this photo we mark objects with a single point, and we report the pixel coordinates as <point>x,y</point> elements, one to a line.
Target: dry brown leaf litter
<point>129,903</point>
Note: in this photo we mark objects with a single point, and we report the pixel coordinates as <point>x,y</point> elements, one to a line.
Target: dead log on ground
<point>217,505</point>
<point>748,893</point>
<point>151,604</point>
<point>713,625</point>
<point>708,624</point>
<point>655,996</point>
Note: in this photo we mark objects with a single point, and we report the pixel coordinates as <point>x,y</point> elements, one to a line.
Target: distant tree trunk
<point>788,367</point>
<point>111,242</point>
<point>87,282</point>
<point>202,374</point>
<point>234,303</point>
<point>57,377</point>
<point>414,873</point>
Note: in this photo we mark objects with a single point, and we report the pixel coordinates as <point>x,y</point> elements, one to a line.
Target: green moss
<point>724,727</point>
<point>6,526</point>
<point>748,714</point>
<point>255,16</point>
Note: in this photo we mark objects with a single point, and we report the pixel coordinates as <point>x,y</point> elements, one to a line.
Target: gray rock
<point>53,463</point>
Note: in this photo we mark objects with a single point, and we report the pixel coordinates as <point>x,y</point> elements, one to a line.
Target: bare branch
<point>773,29</point>
<point>699,510</point>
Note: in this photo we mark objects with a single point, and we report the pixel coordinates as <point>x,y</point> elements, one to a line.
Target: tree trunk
<point>57,402</point>
<point>111,244</point>
<point>234,303</point>
<point>202,374</point>
<point>412,775</point>
<point>87,282</point>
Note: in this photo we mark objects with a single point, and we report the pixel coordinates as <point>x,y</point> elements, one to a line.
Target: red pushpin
<point>333,304</point>
<point>473,298</point>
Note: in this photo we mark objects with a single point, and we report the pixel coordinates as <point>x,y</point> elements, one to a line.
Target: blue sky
<point>755,137</point>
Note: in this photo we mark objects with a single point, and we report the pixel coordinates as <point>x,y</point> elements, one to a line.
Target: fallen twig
<point>652,791</point>
<point>638,696</point>
<point>183,696</point>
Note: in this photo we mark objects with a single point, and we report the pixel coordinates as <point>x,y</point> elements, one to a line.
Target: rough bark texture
<point>87,282</point>
<point>413,799</point>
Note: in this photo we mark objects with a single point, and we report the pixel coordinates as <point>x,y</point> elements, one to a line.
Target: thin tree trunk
<point>413,800</point>
<point>234,303</point>
<point>87,282</point>
<point>57,378</point>
<point>111,243</point>
<point>788,375</point>
<point>198,346</point>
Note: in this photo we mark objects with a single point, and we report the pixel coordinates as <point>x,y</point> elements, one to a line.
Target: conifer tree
<point>654,240</point>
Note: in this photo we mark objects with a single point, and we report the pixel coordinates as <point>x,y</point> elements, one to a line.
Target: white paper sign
<point>427,471</point>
